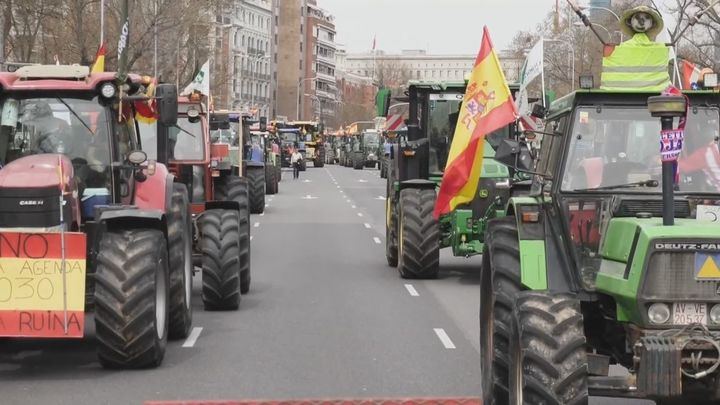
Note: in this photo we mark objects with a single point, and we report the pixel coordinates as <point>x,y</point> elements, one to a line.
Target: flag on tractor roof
<point>99,64</point>
<point>200,83</point>
<point>487,106</point>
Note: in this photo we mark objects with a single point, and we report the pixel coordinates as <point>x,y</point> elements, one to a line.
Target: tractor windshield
<point>615,146</point>
<point>75,127</point>
<point>186,139</point>
<point>371,138</point>
<point>441,120</point>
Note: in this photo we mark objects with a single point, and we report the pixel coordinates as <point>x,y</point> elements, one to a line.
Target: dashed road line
<point>412,290</point>
<point>360,214</point>
<point>251,236</point>
<point>354,206</point>
<point>444,338</point>
<point>192,339</point>
<point>256,224</point>
<point>262,214</point>
<point>377,240</point>
<point>367,225</point>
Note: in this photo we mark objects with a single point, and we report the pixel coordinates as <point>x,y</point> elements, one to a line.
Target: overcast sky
<point>440,26</point>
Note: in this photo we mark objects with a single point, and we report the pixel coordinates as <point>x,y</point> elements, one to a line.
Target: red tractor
<point>86,222</point>
<point>219,200</point>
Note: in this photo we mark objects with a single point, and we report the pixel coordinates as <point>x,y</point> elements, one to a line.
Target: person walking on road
<point>295,161</point>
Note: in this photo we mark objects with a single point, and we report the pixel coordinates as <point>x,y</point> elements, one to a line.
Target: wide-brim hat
<point>652,32</point>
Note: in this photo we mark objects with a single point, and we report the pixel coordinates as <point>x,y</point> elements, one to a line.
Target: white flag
<point>532,68</point>
<point>201,82</point>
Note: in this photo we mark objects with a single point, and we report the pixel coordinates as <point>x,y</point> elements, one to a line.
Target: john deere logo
<point>483,193</point>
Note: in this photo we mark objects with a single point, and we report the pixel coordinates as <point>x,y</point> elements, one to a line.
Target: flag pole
<point>102,21</point>
<point>542,73</point>
<point>62,243</point>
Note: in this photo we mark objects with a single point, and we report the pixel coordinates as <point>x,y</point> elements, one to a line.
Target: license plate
<point>685,313</point>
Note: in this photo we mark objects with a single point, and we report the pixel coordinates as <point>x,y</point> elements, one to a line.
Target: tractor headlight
<point>715,314</point>
<point>107,90</point>
<point>659,313</point>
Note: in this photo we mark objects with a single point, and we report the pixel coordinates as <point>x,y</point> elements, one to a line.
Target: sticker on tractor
<point>708,213</point>
<point>706,266</point>
<point>671,144</point>
<point>32,303</point>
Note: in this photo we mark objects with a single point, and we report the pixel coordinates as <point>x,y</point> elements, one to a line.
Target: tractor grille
<point>630,208</point>
<point>670,276</point>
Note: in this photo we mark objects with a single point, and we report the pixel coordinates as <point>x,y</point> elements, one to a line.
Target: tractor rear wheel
<point>220,246</point>
<point>357,164</point>
<point>270,180</point>
<point>180,260</point>
<point>235,188</point>
<point>131,298</point>
<point>548,363</point>
<point>319,161</point>
<point>256,180</point>
<point>499,284</point>
<point>419,234</point>
<point>279,173</point>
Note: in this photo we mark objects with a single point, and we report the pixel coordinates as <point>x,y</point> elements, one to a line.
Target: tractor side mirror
<point>538,111</point>
<point>514,154</point>
<point>167,101</point>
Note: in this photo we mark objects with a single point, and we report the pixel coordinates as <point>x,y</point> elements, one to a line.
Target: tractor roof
<point>442,85</point>
<point>623,98</point>
<point>56,77</point>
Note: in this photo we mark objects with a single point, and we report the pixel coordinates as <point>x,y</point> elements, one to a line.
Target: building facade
<point>418,64</point>
<point>252,60</point>
<point>319,98</point>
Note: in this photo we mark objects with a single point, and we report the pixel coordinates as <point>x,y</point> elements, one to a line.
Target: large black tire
<point>499,284</point>
<point>419,234</point>
<point>391,244</point>
<point>236,189</point>
<point>181,266</point>
<point>547,350</point>
<point>220,246</point>
<point>357,164</point>
<point>270,180</point>
<point>319,162</point>
<point>279,173</point>
<point>131,298</point>
<point>256,180</point>
<point>383,170</point>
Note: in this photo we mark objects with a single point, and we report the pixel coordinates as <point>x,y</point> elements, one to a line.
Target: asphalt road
<point>326,317</point>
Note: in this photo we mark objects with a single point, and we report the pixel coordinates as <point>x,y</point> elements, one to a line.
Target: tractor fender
<point>531,235</point>
<point>132,218</point>
<point>251,164</point>
<point>155,193</point>
<point>223,205</point>
<point>417,183</point>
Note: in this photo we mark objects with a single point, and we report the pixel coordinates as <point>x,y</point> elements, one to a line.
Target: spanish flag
<point>486,107</point>
<point>99,65</point>
<point>145,110</point>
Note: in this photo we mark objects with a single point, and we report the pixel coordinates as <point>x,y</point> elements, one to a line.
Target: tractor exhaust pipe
<point>667,107</point>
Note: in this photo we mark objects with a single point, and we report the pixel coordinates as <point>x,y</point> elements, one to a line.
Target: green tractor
<point>415,170</point>
<point>367,149</point>
<point>611,258</point>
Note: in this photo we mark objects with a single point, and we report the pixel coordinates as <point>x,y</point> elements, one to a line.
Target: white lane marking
<point>360,214</point>
<point>307,181</point>
<point>256,224</point>
<point>362,181</point>
<point>444,338</point>
<point>412,290</point>
<point>354,207</point>
<point>263,214</point>
<point>377,240</point>
<point>380,198</point>
<point>367,225</point>
<point>194,335</point>
<point>341,191</point>
<point>309,197</point>
<point>338,186</point>
<point>251,237</point>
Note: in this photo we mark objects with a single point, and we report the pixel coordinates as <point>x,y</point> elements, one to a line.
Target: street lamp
<point>580,24</point>
<point>300,82</point>
<point>583,8</point>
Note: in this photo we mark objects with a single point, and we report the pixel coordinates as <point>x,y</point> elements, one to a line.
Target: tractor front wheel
<point>181,266</point>
<point>548,363</point>
<point>499,284</point>
<point>131,298</point>
<point>235,188</point>
<point>221,254</point>
<point>256,181</point>
<point>419,238</point>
